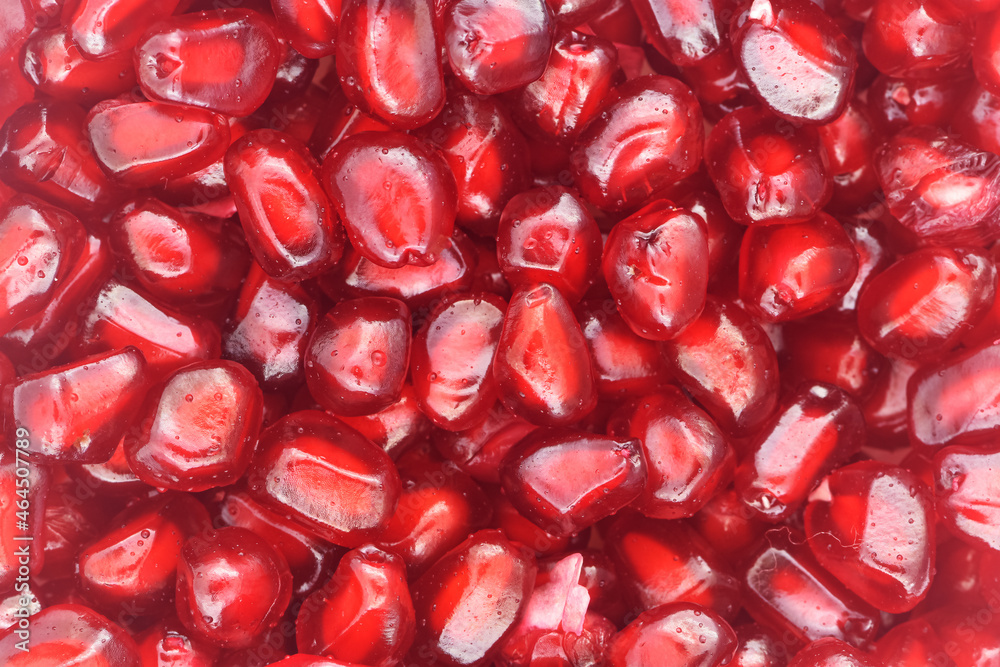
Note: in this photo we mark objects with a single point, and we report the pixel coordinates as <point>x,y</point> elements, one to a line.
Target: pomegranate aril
<point>914,642</point>
<point>967,492</point>
<point>325,475</point>
<point>17,19</point>
<point>396,428</point>
<point>44,151</point>
<point>139,144</point>
<point>790,271</point>
<point>363,614</point>
<point>831,652</point>
<point>580,75</point>
<point>39,244</point>
<point>15,528</point>
<point>912,38</point>
<point>105,28</point>
<point>684,31</point>
<point>395,195</point>
<point>132,565</point>
<point>452,359</point>
<point>542,367</point>
<point>547,235</point>
<point>78,413</point>
<point>288,220</point>
<point>681,634</point>
<point>921,306</point>
<point>198,429</point>
<point>727,363</point>
<point>849,533</point>
<point>389,59</point>
<point>565,481</point>
<point>663,562</point>
<point>729,526</point>
<point>64,634</point>
<point>795,58</point>
<point>850,142</point>
<point>648,136</point>
<point>168,339</point>
<point>788,591</point>
<point>817,428</point>
<point>169,643</point>
<point>358,356</point>
<point>498,46</point>
<point>656,267</point>
<point>766,169</point>
<point>180,257</point>
<point>308,556</point>
<point>469,602</point>
<point>830,349</point>
<point>54,64</point>
<point>439,506</point>
<point>896,104</point>
<point>487,155</point>
<point>310,25</point>
<point>688,459</point>
<point>232,586</point>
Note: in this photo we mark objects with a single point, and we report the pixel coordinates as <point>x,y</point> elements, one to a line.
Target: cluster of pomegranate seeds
<point>499,333</point>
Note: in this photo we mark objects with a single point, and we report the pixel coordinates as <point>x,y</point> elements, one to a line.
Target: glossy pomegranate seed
<point>977,118</point>
<point>923,304</point>
<point>113,478</point>
<point>899,103</point>
<point>687,456</point>
<point>656,267</point>
<point>728,365</point>
<point>686,635</point>
<point>787,590</point>
<point>624,364</point>
<point>269,330</point>
<point>831,349</point>
<point>546,235</point>
<point>967,492</point>
<point>396,428</point>
<point>225,60</point>
<point>358,355</point>
<point>912,37</point>
<point>891,573</point>
<point>542,367</point>
<point>565,481</point>
<point>795,58</point>
<point>168,643</point>
<point>44,151</point>
<point>487,155</point>
<point>232,586</point>
<point>105,28</point>
<point>132,565</point>
<point>310,25</point>
<point>53,63</point>
<point>470,601</point>
<point>15,529</point>
<point>325,475</point>
<point>438,508</point>
<point>850,142</point>
<point>914,642</point>
<point>65,634</point>
<point>817,428</point>
<point>648,136</point>
<point>39,244</point>
<point>478,450</point>
<point>418,286</point>
<point>363,614</point>
<point>729,526</point>
<point>664,562</point>
<point>452,359</point>
<point>388,59</point>
<point>581,71</point>
<point>18,21</point>
<point>288,220</point>
<point>78,413</point>
<point>140,144</point>
<point>494,47</point>
<point>178,256</point>
<point>198,430</point>
<point>790,271</point>
<point>308,556</point>
<point>685,32</point>
<point>766,169</point>
<point>831,652</point>
<point>939,188</point>
<point>373,176</point>
<point>119,315</point>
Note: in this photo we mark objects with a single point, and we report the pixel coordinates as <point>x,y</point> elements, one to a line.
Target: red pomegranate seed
<point>686,635</point>
<point>831,652</point>
<point>53,63</point>
<point>67,633</point>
